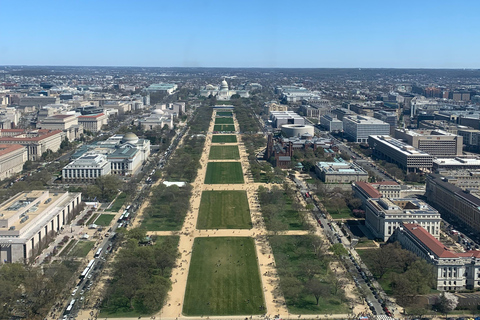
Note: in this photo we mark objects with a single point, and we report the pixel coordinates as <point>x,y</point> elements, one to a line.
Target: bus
<point>128,207</point>
<point>70,307</point>
<point>91,263</point>
<point>84,273</point>
<point>98,253</point>
<point>126,216</point>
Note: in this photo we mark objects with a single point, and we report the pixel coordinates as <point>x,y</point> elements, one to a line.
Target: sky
<point>241,33</point>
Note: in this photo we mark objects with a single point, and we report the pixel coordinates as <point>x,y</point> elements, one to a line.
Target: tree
<point>446,302</point>
<point>317,288</point>
<point>338,250</point>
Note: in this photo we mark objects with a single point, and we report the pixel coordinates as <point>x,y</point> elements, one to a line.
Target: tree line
<point>30,292</point>
<point>141,275</point>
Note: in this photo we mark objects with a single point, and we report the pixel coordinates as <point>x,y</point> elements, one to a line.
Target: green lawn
<point>224,172</point>
<point>230,138</point>
<point>81,249</point>
<point>224,210</point>
<point>224,127</point>
<point>224,153</point>
<point>104,219</point>
<point>338,213</point>
<point>224,114</point>
<point>117,205</point>
<point>297,264</point>
<point>67,248</point>
<point>223,120</point>
<point>223,278</point>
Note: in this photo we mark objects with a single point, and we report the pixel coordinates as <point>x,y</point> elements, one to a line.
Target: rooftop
<point>400,146</point>
<point>436,247</point>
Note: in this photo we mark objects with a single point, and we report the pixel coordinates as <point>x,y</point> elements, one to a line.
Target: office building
<point>330,123</point>
<point>454,194</point>
<point>388,117</point>
<point>456,163</point>
<point>400,153</point>
<point>93,122</point>
<point>168,88</point>
<point>36,102</point>
<point>437,143</point>
<point>342,112</point>
<point>67,123</point>
<point>280,118</point>
<point>12,159</point>
<point>340,171</point>
<point>36,141</point>
<point>453,270</point>
<point>384,215</point>
<point>86,169</point>
<point>156,120</point>
<point>358,128</point>
<point>29,218</point>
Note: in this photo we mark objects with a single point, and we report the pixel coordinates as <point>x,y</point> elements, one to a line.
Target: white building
<point>453,270</point>
<point>68,123</point>
<point>358,128</point>
<point>86,168</point>
<point>93,122</point>
<point>12,159</point>
<point>158,119</point>
<point>383,216</point>
<point>280,118</point>
<point>223,92</point>
<point>29,217</point>
<point>331,123</point>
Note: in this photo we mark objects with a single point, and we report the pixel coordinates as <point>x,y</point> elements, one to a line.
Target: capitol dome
<point>224,85</point>
<point>130,137</point>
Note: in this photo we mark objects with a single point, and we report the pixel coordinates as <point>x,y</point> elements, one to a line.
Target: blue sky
<point>241,33</point>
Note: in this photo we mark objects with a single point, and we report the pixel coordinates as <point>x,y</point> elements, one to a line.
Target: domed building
<point>222,92</point>
<point>130,137</point>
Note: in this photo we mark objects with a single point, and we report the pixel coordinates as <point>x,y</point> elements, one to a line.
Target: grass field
<point>223,278</point>
<point>122,197</point>
<point>104,219</point>
<point>224,127</point>
<point>224,153</point>
<point>224,172</point>
<point>81,249</point>
<point>230,138</point>
<point>224,210</point>
<point>224,114</point>
<point>293,256</point>
<point>338,213</point>
<point>67,248</point>
<point>224,121</point>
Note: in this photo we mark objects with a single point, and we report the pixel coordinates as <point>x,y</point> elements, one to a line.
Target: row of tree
<point>281,210</point>
<point>141,275</point>
<point>247,120</point>
<point>29,292</point>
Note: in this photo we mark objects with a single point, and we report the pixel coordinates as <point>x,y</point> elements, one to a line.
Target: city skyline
<point>269,34</point>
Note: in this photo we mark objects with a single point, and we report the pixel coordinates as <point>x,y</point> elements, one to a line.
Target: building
<point>37,102</point>
<point>280,150</point>
<point>384,189</point>
<point>342,112</point>
<point>29,218</point>
<point>456,163</point>
<point>168,88</point>
<point>36,141</point>
<point>450,194</point>
<point>453,270</point>
<point>358,128</point>
<point>296,94</point>
<point>340,171</point>
<point>388,117</point>
<point>400,153</point>
<point>384,215</point>
<point>280,118</point>
<point>330,123</point>
<point>222,92</point>
<point>12,159</point>
<point>86,169</point>
<point>125,153</point>
<point>93,122</point>
<point>67,123</point>
<point>315,110</point>
<point>157,119</point>
<point>297,130</point>
<point>274,106</point>
<point>437,143</point>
